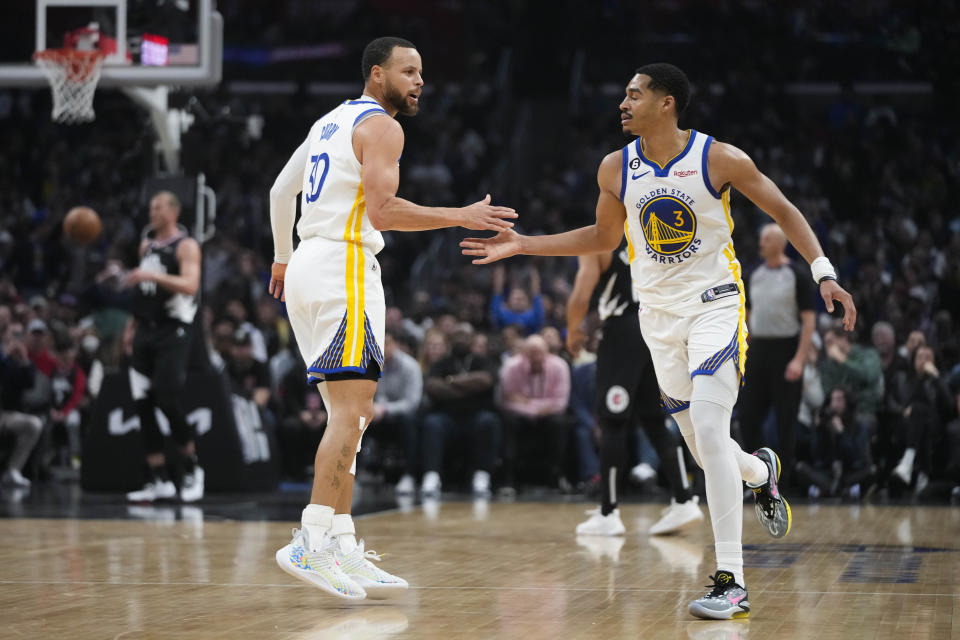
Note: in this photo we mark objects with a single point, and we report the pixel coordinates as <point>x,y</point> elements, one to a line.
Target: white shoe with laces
<point>319,568</point>
<point>192,488</point>
<point>358,566</point>
<point>152,491</point>
<point>678,516</point>
<point>602,525</point>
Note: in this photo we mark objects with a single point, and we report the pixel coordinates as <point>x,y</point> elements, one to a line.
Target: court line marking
<point>451,588</point>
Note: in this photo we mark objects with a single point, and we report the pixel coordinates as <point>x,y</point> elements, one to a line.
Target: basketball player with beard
<point>348,172</point>
<point>669,192</point>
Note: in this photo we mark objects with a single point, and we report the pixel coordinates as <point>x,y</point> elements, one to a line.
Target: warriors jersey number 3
<point>679,230</point>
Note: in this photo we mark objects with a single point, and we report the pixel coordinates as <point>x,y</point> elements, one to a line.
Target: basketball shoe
<point>375,581</point>
<point>602,525</point>
<point>726,599</point>
<point>154,490</point>
<point>191,489</point>
<point>677,516</point>
<point>319,568</point>
<point>772,509</point>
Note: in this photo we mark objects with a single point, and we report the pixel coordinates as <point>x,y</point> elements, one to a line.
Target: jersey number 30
<point>317,185</point>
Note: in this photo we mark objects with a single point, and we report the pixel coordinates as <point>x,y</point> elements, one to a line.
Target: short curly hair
<point>669,80</point>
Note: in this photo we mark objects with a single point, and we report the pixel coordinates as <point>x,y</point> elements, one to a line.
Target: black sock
<point>158,473</point>
<point>189,462</point>
<point>613,460</point>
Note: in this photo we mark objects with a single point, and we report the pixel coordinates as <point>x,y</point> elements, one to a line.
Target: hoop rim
<point>79,64</point>
<point>57,54</point>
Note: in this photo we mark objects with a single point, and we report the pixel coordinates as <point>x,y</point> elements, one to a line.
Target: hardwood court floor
<point>486,571</point>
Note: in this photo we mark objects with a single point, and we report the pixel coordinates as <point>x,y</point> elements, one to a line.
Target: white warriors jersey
<point>679,230</point>
<point>332,204</point>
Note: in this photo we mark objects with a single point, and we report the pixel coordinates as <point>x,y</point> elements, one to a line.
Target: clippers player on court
<point>164,306</point>
<point>669,190</point>
<point>348,172</point>
<point>626,393</point>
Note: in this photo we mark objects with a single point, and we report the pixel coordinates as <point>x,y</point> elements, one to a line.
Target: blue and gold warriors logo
<point>669,225</point>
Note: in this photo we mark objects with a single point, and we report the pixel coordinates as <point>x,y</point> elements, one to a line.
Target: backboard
<point>147,43</point>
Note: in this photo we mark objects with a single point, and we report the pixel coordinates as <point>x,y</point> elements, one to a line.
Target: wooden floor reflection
<point>484,571</point>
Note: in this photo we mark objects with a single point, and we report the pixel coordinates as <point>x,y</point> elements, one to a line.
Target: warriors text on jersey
<point>679,229</point>
<point>151,302</point>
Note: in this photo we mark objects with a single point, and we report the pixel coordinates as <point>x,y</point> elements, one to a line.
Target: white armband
<point>822,270</point>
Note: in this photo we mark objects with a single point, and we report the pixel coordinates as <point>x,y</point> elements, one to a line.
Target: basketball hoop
<point>73,75</point>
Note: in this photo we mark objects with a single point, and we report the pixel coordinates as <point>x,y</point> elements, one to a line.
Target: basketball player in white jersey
<point>348,171</point>
<point>669,190</point>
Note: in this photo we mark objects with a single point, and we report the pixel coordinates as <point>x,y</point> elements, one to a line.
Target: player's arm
<point>378,143</point>
<point>795,367</point>
<point>603,235</point>
<point>137,275</point>
<point>188,281</point>
<point>588,275</point>
<point>729,165</point>
<point>283,212</point>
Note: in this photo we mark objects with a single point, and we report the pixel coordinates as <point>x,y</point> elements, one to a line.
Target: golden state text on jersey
<point>678,227</point>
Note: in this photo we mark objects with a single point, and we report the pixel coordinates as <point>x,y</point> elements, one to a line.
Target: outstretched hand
<point>481,216</point>
<point>503,245</point>
<point>832,292</point>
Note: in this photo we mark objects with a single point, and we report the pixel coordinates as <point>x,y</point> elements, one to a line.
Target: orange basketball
<point>82,225</point>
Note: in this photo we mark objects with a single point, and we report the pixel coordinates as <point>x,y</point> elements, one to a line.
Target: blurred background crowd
<point>856,130</point>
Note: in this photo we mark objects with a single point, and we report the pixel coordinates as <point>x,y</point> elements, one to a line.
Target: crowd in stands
<point>477,390</point>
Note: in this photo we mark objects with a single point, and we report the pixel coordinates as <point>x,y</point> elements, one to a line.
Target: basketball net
<point>73,74</point>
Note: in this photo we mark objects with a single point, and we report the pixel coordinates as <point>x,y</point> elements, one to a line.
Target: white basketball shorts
<point>336,306</point>
<point>683,347</point>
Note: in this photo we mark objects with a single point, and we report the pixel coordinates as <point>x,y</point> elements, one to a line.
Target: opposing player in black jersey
<point>164,306</point>
<point>627,393</point>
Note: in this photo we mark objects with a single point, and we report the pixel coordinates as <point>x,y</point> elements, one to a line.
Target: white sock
<point>730,558</point>
<point>753,471</point>
<point>722,478</point>
<point>317,519</point>
<point>344,532</point>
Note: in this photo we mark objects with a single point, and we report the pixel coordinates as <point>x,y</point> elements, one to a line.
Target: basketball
<point>82,225</point>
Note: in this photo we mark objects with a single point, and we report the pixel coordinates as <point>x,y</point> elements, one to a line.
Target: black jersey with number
<point>613,294</point>
<point>155,304</point>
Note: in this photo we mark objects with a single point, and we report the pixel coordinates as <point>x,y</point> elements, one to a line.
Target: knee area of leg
<point>711,424</point>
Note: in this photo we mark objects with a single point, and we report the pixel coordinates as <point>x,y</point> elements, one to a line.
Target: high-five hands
<point>503,245</point>
<point>482,216</point>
